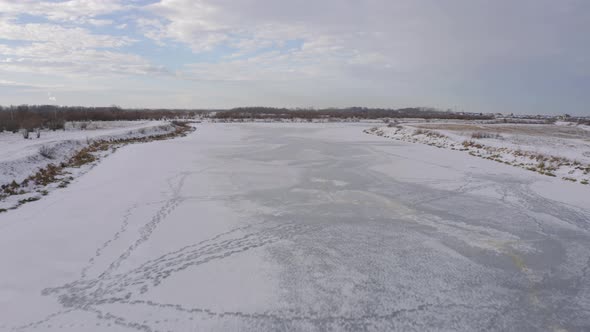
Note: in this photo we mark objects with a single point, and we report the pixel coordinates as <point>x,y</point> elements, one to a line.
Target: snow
<point>557,150</point>
<point>55,148</point>
<point>13,146</point>
<point>298,226</point>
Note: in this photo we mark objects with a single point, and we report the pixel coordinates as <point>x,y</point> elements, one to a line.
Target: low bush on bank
<point>47,152</point>
<point>480,135</point>
<point>429,133</point>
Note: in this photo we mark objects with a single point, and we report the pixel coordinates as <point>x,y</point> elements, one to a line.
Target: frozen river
<point>259,227</point>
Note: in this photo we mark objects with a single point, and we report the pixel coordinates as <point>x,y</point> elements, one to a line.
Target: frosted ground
<point>560,150</point>
<point>260,227</point>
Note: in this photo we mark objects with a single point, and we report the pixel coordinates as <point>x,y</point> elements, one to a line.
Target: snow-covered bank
<point>21,157</point>
<point>553,150</point>
<point>54,160</point>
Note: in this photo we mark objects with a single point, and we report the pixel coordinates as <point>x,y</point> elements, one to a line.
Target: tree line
<point>350,113</point>
<point>29,117</point>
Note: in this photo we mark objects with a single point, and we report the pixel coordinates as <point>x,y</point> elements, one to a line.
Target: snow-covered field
<point>561,150</point>
<point>264,227</point>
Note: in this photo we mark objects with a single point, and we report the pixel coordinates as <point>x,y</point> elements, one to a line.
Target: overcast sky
<point>522,56</point>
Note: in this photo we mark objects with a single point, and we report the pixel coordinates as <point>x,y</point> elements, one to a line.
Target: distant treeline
<point>13,118</point>
<point>29,117</point>
<point>352,112</point>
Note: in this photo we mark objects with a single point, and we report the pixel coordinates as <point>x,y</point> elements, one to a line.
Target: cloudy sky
<point>522,56</point>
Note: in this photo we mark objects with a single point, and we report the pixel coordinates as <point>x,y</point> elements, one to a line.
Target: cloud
<point>438,52</point>
<point>99,23</point>
<point>412,34</point>
<point>254,37</point>
<point>71,51</point>
<point>77,11</point>
<point>71,37</point>
<point>13,84</point>
<point>83,63</point>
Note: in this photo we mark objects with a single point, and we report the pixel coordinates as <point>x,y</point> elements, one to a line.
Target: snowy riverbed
<point>260,227</point>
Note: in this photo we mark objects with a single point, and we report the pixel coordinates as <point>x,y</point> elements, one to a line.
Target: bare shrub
<point>429,133</point>
<point>435,134</point>
<point>468,144</point>
<point>38,132</point>
<point>180,124</point>
<point>25,133</point>
<point>485,135</point>
<point>420,132</point>
<point>47,152</point>
<point>56,124</point>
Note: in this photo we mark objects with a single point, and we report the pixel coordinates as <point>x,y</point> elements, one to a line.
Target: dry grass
<point>44,176</point>
<point>533,130</point>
